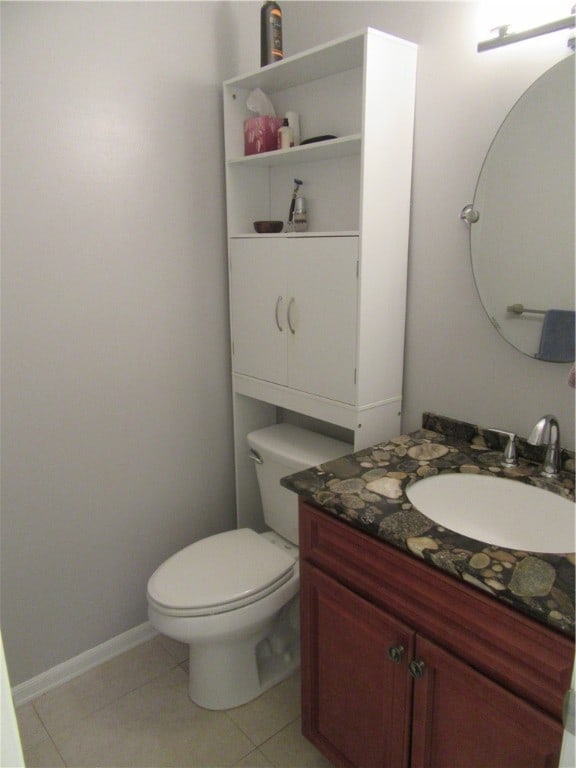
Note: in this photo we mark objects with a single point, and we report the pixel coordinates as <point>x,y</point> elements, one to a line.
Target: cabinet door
<point>258,308</point>
<point>461,719</point>
<point>355,699</point>
<point>322,292</point>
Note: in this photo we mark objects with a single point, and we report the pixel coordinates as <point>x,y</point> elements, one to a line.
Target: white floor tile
<point>134,712</point>
<point>43,755</point>
<point>255,760</point>
<point>60,708</point>
<point>32,731</point>
<point>156,725</point>
<point>262,718</point>
<point>289,749</point>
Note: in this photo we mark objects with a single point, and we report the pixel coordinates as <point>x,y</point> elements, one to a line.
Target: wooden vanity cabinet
<point>404,666</point>
<point>355,702</point>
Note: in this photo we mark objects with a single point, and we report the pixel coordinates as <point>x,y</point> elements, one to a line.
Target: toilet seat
<point>218,574</point>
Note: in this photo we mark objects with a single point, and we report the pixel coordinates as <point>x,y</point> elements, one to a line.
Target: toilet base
<point>227,674</point>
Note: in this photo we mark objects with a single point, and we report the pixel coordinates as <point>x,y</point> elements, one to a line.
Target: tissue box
<point>261,134</point>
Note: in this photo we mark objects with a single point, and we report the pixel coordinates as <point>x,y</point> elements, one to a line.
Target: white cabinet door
<point>258,309</point>
<point>294,312</point>
<point>322,316</point>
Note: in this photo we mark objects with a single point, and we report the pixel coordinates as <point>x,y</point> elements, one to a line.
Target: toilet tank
<point>285,449</point>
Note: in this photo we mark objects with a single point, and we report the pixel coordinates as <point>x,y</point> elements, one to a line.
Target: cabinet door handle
<point>276,313</point>
<point>396,653</point>
<point>416,669</point>
<point>289,315</point>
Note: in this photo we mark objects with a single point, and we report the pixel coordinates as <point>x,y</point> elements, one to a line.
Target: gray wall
<point>116,421</point>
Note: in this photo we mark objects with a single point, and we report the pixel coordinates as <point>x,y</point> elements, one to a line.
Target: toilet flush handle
<point>255,456</point>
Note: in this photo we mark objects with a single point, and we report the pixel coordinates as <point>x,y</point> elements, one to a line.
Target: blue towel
<point>557,339</point>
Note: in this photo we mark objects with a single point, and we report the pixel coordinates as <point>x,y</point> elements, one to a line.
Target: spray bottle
<point>270,33</point>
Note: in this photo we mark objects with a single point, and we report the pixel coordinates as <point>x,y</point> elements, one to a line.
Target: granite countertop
<point>367,490</point>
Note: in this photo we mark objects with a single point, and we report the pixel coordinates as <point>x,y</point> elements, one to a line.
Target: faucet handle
<point>509,458</point>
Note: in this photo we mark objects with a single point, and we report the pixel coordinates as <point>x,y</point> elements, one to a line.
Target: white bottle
<point>294,123</point>
<point>285,140</point>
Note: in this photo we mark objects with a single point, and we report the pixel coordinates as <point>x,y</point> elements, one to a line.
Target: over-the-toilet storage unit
<point>317,318</point>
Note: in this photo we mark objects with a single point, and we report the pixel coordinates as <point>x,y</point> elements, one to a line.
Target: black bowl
<point>268,227</point>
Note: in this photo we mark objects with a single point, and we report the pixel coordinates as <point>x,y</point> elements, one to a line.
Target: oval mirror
<point>522,245</point>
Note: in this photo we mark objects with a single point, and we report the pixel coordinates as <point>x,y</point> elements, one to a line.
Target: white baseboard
<point>62,673</point>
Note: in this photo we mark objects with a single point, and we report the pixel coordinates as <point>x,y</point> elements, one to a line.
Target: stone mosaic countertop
<point>367,490</point>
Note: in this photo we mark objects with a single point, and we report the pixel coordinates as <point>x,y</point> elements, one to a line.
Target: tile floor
<point>134,711</point>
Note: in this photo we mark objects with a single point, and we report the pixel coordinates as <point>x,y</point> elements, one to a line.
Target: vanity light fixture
<point>505,37</point>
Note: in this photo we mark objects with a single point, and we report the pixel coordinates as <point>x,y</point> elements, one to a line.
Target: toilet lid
<point>219,573</point>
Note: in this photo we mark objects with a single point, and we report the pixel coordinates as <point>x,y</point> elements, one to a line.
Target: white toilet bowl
<point>243,629</point>
<point>233,597</point>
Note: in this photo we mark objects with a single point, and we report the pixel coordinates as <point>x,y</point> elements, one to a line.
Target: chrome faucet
<point>547,431</point>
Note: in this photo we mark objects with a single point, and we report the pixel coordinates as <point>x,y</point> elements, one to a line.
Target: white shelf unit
<point>327,305</point>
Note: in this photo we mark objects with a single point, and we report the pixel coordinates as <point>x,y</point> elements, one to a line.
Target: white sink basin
<point>497,511</point>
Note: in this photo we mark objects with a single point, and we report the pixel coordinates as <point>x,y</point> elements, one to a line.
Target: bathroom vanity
<point>421,646</point>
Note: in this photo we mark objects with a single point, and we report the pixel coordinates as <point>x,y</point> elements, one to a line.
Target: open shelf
<point>277,236</point>
<point>321,150</point>
<point>339,56</point>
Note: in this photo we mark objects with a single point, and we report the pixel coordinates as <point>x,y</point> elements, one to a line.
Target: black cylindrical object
<point>270,33</point>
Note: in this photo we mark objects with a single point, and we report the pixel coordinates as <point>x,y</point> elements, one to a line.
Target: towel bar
<point>520,309</point>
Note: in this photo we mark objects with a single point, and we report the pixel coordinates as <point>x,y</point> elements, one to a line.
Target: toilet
<point>233,597</point>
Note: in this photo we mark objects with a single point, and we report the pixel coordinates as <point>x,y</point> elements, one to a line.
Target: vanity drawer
<point>527,657</point>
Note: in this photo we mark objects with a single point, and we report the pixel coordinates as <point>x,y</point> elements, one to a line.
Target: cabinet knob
<point>416,669</point>
<point>395,653</point>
